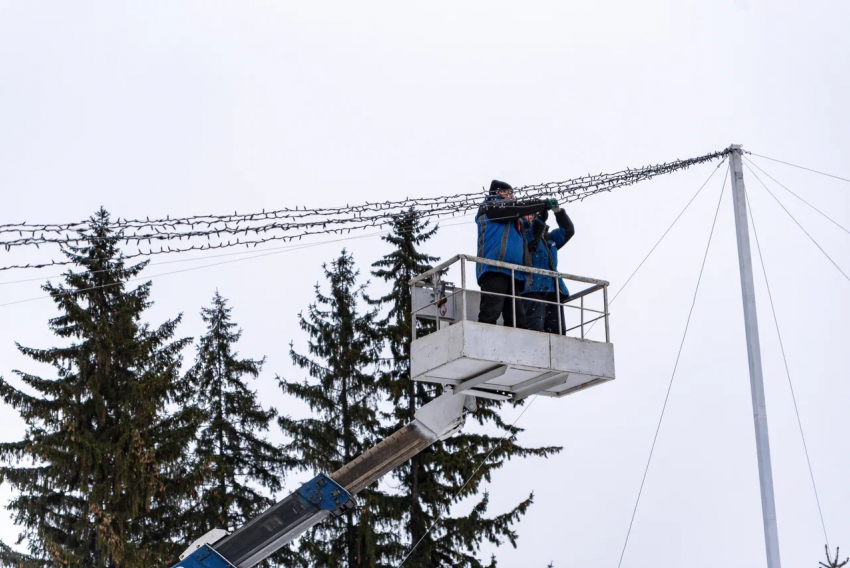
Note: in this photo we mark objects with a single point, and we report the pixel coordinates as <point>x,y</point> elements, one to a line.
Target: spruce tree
<point>429,483</point>
<point>344,348</point>
<point>100,476</point>
<point>230,448</point>
<point>833,562</point>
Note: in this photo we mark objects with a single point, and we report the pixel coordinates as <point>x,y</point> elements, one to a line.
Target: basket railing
<point>436,298</point>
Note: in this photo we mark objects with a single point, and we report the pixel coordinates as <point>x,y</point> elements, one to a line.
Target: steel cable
<point>465,483</point>
<point>658,242</point>
<point>798,223</point>
<point>672,376</point>
<point>796,166</point>
<point>824,215</point>
<point>787,369</point>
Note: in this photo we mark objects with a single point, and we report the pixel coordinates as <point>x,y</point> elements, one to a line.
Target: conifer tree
<point>430,482</point>
<point>100,475</point>
<point>833,562</point>
<point>235,457</point>
<point>343,349</point>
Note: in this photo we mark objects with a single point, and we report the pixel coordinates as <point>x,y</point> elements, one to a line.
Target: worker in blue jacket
<point>543,246</point>
<point>500,238</point>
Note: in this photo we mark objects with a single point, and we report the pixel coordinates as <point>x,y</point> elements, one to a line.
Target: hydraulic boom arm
<point>325,495</point>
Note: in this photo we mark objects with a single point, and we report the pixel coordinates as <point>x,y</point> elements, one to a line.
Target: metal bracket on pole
<point>768,503</point>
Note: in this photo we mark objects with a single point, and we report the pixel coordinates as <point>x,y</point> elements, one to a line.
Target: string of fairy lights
<point>210,232</point>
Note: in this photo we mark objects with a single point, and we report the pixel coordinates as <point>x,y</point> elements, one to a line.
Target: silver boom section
<point>265,534</point>
<point>437,420</point>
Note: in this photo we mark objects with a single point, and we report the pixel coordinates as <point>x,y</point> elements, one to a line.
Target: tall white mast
<point>768,503</point>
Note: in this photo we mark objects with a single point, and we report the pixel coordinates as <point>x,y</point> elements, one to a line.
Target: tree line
<point>126,458</point>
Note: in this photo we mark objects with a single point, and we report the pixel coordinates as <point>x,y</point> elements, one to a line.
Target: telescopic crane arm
<point>327,495</point>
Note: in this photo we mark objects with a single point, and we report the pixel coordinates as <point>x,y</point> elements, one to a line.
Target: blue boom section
<point>266,533</point>
<point>204,557</point>
<point>326,494</point>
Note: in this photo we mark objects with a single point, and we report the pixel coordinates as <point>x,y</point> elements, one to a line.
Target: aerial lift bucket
<point>507,363</point>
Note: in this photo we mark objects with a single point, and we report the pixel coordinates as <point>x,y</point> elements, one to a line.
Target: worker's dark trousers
<point>540,316</point>
<point>492,306</point>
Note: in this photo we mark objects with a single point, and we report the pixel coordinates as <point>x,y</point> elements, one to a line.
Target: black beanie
<point>497,185</point>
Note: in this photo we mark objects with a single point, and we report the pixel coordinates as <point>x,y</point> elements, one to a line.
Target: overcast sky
<point>177,108</point>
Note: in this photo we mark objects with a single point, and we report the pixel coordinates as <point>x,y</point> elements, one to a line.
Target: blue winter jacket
<point>544,246</point>
<point>500,234</point>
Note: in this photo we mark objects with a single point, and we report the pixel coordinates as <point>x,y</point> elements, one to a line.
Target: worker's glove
<point>551,203</point>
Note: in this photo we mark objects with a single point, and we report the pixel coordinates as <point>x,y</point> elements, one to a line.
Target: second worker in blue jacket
<point>543,247</point>
<point>500,237</point>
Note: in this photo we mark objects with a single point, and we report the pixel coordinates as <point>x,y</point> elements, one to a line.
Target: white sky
<point>191,107</point>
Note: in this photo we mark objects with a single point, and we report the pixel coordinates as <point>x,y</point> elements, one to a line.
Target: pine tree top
<point>230,447</point>
<point>100,469</point>
<point>343,349</point>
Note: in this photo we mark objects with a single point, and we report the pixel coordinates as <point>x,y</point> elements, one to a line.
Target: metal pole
<point>582,317</point>
<point>463,288</point>
<point>513,295</point>
<point>412,313</point>
<point>768,504</point>
<point>435,284</point>
<point>560,309</point>
<point>605,309</point>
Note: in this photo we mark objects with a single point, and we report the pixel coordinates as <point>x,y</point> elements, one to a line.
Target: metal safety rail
<point>436,298</point>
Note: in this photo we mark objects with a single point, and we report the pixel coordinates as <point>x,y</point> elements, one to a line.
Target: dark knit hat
<point>497,185</point>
